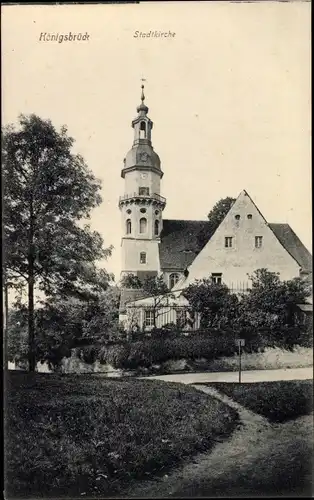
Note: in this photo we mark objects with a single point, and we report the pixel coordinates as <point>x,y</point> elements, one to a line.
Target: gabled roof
<point>293,245</point>
<point>181,241</point>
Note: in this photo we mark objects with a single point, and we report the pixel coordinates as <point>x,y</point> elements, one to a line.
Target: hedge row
<point>158,349</point>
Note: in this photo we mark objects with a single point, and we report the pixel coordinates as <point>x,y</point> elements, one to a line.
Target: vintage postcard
<point>157,252</point>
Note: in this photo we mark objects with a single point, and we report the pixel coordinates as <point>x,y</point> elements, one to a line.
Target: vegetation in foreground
<point>71,435</point>
<point>277,401</point>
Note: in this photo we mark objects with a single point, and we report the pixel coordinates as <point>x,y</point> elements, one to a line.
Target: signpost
<point>240,343</point>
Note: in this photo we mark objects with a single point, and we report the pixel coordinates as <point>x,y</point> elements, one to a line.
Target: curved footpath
<point>246,376</point>
<point>239,465</point>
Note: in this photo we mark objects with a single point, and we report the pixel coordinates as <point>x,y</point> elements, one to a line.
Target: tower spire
<point>142,108</point>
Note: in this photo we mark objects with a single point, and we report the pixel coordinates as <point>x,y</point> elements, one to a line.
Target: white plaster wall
<point>133,181</point>
<point>234,263</point>
<point>131,249</point>
<point>135,216</point>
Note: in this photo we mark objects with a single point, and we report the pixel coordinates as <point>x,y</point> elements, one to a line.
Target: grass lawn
<point>74,435</point>
<point>277,401</point>
<point>280,462</point>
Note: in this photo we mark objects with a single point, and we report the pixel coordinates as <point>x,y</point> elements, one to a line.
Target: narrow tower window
<point>128,226</point>
<point>143,258</point>
<point>156,227</point>
<point>143,130</point>
<point>143,225</point>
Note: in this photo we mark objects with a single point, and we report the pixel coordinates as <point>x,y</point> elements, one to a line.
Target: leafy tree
<point>153,287</point>
<point>131,281</point>
<point>66,323</point>
<point>215,303</point>
<point>48,192</point>
<point>17,341</point>
<point>219,211</point>
<point>270,302</point>
<point>156,288</point>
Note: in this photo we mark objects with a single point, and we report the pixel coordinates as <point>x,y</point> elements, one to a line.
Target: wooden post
<point>239,362</point>
<point>6,327</point>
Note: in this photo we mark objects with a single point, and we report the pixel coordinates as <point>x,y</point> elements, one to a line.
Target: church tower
<point>141,205</point>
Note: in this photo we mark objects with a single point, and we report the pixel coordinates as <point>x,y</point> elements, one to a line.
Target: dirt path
<point>253,460</point>
<point>247,376</point>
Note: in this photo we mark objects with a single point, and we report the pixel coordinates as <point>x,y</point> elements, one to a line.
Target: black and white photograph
<point>157,250</point>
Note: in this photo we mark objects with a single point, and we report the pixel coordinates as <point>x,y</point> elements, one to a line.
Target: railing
<point>153,196</point>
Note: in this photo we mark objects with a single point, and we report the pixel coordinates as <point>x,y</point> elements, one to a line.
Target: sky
<point>229,96</point>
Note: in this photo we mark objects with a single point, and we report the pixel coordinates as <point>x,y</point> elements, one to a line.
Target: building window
<point>143,210</point>
<point>143,130</point>
<point>258,241</point>
<point>216,278</point>
<point>156,212</point>
<point>129,211</point>
<point>181,318</point>
<point>148,318</point>
<point>237,217</point>
<point>228,241</point>
<point>143,191</point>
<point>128,226</point>
<point>143,225</point>
<point>249,216</point>
<point>156,227</point>
<point>173,279</point>
<point>143,258</point>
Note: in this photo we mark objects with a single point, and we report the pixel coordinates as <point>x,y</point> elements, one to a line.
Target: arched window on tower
<point>142,130</point>
<point>173,279</point>
<point>143,225</point>
<point>128,226</point>
<point>156,227</point>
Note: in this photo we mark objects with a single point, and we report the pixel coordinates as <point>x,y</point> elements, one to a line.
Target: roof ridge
<point>188,220</point>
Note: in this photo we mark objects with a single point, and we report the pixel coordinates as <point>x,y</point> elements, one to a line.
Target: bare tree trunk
<point>6,327</point>
<point>31,323</point>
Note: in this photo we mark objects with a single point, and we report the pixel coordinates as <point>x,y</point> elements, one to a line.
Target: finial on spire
<point>142,106</point>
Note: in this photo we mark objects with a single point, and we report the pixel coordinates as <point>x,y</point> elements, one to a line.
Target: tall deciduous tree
<point>217,306</point>
<point>219,211</point>
<point>48,191</point>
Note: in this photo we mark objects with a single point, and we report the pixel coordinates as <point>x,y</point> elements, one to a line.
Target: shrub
<point>116,355</point>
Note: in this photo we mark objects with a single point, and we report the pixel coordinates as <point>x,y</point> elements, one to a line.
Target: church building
<point>185,250</point>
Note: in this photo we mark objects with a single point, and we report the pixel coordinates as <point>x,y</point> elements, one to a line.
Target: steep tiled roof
<point>293,245</point>
<point>181,241</point>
